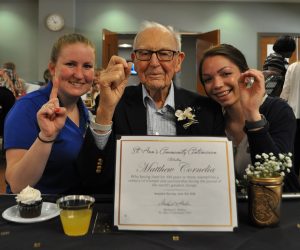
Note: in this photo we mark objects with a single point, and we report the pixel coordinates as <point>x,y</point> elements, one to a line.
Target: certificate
<point>175,183</point>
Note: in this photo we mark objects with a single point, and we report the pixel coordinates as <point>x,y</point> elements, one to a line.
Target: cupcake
<point>29,202</point>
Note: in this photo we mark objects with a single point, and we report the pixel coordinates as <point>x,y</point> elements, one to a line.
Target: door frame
<point>205,41</point>
<point>109,46</point>
<point>263,37</point>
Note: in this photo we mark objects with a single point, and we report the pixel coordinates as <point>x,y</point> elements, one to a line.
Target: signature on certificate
<point>171,203</point>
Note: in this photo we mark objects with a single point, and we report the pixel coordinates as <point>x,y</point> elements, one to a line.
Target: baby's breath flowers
<point>268,165</point>
<point>186,115</point>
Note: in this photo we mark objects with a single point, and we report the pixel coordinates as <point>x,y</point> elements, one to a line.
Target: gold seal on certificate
<point>175,184</point>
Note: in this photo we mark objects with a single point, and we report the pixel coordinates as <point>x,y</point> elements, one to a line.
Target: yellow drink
<point>76,222</point>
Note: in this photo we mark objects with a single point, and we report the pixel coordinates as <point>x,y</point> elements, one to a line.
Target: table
<point>49,234</point>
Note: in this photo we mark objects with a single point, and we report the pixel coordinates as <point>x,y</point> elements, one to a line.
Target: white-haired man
<point>146,109</point>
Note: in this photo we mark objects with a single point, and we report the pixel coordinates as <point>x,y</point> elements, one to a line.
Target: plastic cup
<point>75,213</point>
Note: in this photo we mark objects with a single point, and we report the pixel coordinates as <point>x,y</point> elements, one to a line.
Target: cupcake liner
<point>30,210</point>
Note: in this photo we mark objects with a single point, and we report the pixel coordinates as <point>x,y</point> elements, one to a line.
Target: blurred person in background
<point>7,100</point>
<point>5,80</point>
<point>274,77</point>
<point>291,93</point>
<point>18,83</point>
<point>276,64</point>
<point>95,91</point>
<point>47,77</point>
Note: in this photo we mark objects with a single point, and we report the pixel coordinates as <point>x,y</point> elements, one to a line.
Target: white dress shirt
<point>291,88</point>
<point>159,121</point>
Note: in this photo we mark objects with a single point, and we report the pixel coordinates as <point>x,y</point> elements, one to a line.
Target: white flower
<point>186,115</point>
<point>257,157</point>
<point>276,168</point>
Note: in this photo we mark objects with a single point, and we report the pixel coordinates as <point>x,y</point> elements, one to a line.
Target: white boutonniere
<point>186,115</point>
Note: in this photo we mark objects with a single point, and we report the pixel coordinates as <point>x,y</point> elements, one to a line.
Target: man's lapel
<point>136,112</point>
<point>181,102</point>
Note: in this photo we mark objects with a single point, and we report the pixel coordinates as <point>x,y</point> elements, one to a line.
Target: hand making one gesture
<point>113,81</point>
<point>51,117</point>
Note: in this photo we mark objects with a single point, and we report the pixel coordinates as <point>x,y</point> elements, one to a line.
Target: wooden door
<point>205,41</point>
<point>109,46</point>
<point>265,41</point>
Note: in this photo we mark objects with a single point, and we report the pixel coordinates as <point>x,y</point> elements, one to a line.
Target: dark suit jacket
<point>277,137</point>
<point>7,100</point>
<point>130,118</point>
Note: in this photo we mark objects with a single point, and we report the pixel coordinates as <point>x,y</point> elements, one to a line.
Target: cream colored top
<point>242,157</point>
<point>291,88</point>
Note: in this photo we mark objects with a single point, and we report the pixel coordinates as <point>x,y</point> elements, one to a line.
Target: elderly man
<point>146,109</point>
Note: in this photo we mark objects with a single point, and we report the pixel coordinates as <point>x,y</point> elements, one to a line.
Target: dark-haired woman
<point>255,123</point>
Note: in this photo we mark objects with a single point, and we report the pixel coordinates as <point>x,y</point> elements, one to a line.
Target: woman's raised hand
<point>252,91</point>
<point>51,117</point>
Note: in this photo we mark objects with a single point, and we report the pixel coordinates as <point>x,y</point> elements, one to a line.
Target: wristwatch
<point>255,125</point>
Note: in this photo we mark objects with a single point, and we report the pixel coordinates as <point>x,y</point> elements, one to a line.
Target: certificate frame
<point>160,186</point>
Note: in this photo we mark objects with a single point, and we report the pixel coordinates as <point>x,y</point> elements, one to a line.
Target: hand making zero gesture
<point>252,91</point>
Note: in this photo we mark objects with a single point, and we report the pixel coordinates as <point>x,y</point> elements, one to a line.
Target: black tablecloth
<point>49,234</point>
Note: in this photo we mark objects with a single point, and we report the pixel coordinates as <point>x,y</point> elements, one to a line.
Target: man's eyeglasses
<point>162,55</point>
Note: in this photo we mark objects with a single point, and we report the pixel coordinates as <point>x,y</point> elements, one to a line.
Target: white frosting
<point>29,195</point>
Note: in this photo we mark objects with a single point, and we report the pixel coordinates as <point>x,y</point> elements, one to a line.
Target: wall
<point>239,24</point>
<point>46,38</point>
<point>18,35</point>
